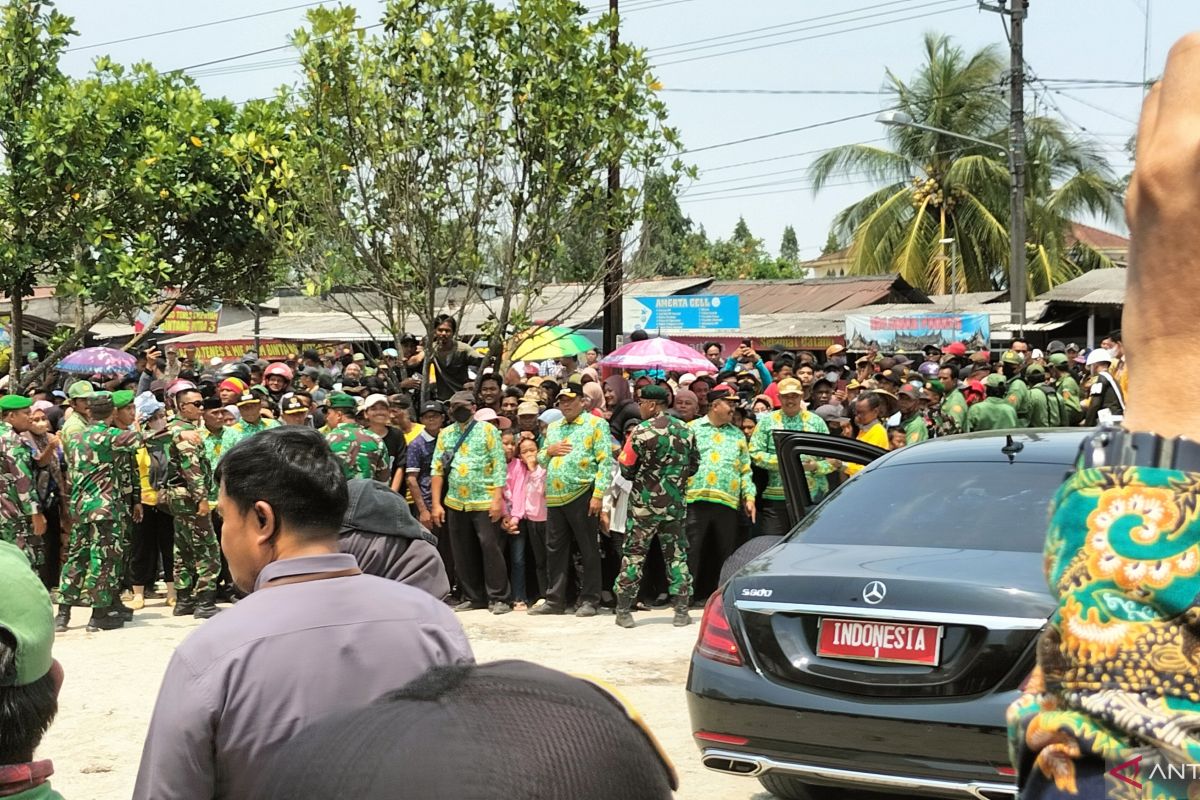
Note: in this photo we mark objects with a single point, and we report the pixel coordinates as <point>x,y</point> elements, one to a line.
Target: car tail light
<point>716,638</point>
<point>721,738</point>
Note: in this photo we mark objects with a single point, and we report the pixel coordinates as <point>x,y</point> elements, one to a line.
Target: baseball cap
<point>27,616</point>
<point>248,399</point>
<point>462,399</point>
<point>391,352</point>
<point>1011,357</point>
<point>373,399</point>
<point>955,349</point>
<point>79,390</point>
<point>294,405</point>
<point>1056,346</point>
<point>995,379</point>
<point>433,407</point>
<point>1059,359</point>
<point>360,357</point>
<point>722,392</point>
<point>790,386</point>
<point>597,748</point>
<point>1035,369</point>
<point>572,388</point>
<point>528,409</point>
<point>909,390</point>
<point>550,415</point>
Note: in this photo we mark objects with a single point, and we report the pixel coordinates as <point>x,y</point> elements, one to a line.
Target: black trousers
<point>712,532</point>
<point>51,570</point>
<point>564,525</point>
<point>153,543</point>
<point>478,556</point>
<point>535,536</point>
<point>772,518</point>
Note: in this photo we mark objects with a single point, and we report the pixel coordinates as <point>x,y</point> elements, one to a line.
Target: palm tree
<point>937,186</point>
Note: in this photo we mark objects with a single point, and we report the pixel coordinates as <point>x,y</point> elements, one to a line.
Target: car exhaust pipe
<point>732,765</point>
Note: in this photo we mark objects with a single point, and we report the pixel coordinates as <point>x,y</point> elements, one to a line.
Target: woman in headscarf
<point>621,405</point>
<point>595,398</point>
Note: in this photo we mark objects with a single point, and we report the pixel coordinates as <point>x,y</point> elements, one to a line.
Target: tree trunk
<point>18,322</point>
<point>72,341</point>
<point>161,311</point>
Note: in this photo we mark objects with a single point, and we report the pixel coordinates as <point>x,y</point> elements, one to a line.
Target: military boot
<point>125,611</point>
<point>185,606</point>
<point>105,619</point>
<point>62,619</point>
<point>624,617</point>
<point>682,619</point>
<point>206,607</point>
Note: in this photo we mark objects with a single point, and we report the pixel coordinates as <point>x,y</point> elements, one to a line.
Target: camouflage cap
<point>122,398</point>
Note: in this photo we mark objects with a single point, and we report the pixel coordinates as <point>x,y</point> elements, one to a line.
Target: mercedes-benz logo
<point>874,592</point>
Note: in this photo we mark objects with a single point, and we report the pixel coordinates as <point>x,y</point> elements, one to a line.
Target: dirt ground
<point>112,679</point>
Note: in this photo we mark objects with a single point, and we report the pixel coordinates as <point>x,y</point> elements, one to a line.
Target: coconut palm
<point>938,186</point>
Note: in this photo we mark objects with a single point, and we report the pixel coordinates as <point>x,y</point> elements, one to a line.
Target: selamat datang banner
<point>912,332</point>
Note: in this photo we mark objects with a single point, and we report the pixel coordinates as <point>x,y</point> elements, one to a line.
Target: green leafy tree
<point>936,186</point>
<point>789,248</point>
<point>832,245</point>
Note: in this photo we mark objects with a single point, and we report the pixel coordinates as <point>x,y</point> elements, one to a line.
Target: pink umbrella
<point>658,353</point>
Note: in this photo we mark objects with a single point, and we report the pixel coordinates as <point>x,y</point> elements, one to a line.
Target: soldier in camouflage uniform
<point>98,459</point>
<point>658,459</point>
<point>189,481</point>
<point>21,520</point>
<point>361,453</point>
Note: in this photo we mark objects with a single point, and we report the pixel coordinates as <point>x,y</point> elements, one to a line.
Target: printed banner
<point>270,349</point>
<point>183,319</point>
<point>912,332</point>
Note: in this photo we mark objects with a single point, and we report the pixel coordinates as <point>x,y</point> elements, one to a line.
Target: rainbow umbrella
<point>98,361</point>
<point>660,353</point>
<point>545,343</point>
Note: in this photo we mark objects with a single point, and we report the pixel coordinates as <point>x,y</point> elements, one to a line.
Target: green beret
<point>14,402</point>
<point>342,400</point>
<point>80,390</point>
<point>654,392</point>
<point>122,398</point>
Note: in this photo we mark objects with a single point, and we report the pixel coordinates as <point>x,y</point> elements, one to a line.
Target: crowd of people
<point>535,483</point>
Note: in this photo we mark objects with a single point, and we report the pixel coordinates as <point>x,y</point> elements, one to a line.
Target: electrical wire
<point>777,91</point>
<point>256,52</point>
<point>814,36</point>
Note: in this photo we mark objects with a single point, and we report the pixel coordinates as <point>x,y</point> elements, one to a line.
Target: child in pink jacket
<point>525,496</point>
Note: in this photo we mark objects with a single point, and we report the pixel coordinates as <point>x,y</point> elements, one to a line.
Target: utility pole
<point>1016,150</point>
<point>614,317</point>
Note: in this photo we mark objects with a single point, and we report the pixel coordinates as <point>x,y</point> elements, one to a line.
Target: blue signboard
<point>692,312</point>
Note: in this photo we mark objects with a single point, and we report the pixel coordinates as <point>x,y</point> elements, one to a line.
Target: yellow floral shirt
<point>585,467</point>
<point>478,468</point>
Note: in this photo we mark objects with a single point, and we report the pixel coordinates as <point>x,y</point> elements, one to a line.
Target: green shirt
<point>914,429</point>
<point>991,414</point>
<point>952,415</point>
<point>1018,398</point>
<point>73,426</point>
<point>586,467</point>
<point>1068,390</point>
<point>724,476</point>
<point>478,469</point>
<point>1039,409</point>
<point>242,428</point>
<point>762,452</point>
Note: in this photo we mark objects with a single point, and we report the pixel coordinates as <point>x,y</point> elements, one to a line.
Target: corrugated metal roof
<point>815,294</point>
<point>1105,287</point>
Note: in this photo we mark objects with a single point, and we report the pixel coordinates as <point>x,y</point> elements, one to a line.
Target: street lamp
<point>1016,267</point>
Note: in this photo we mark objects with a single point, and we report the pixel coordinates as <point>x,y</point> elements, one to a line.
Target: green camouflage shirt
<point>98,460</point>
<point>478,469</point>
<point>585,467</point>
<point>658,459</point>
<point>18,501</point>
<point>724,475</point>
<point>951,417</point>
<point>189,477</point>
<point>763,456</point>
<point>362,453</point>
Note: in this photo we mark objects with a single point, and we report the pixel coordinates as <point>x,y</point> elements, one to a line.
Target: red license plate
<point>871,640</point>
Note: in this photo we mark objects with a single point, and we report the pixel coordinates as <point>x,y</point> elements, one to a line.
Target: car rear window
<point>976,506</point>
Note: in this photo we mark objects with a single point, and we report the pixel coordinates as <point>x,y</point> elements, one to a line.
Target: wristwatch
<point>1117,447</point>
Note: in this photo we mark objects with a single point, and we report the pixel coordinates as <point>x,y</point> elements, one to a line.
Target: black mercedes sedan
<point>876,647</point>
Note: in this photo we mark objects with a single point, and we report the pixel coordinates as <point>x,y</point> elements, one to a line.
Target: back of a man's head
<point>291,470</point>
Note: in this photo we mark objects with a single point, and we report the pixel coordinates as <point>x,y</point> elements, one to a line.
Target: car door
<point>792,446</point>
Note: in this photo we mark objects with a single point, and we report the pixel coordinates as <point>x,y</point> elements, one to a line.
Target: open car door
<point>794,448</point>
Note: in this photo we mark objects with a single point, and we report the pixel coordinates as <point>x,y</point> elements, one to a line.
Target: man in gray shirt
<point>315,636</point>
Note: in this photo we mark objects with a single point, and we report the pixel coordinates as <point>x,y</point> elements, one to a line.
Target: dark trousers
<point>153,544</point>
<point>712,532</point>
<point>772,518</point>
<point>478,556</point>
<point>50,570</point>
<point>566,524</point>
<point>535,533</point>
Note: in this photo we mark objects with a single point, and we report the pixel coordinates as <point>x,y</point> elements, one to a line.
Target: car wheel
<point>745,554</point>
<point>789,788</point>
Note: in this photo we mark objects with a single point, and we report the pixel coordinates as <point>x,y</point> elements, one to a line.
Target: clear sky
<point>845,46</point>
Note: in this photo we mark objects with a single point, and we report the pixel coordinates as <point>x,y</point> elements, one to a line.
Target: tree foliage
<point>789,247</point>
<point>935,186</point>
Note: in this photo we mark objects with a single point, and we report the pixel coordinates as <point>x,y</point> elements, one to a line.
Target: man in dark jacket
<point>380,532</point>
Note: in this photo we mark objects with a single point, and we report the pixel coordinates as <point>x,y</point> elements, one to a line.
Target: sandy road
<point>112,679</point>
